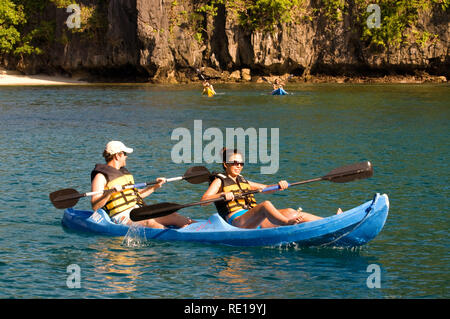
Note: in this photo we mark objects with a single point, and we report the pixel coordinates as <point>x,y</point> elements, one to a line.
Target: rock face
<point>170,41</point>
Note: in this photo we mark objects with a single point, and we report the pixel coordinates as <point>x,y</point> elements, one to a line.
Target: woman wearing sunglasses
<point>244,212</point>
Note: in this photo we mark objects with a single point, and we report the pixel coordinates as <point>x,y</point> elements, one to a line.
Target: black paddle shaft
<point>164,209</point>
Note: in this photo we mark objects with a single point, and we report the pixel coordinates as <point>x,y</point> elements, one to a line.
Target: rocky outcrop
<point>315,46</point>
<point>169,41</point>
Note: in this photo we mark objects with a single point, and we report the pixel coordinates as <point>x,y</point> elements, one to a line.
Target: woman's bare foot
<point>189,221</point>
<point>339,211</point>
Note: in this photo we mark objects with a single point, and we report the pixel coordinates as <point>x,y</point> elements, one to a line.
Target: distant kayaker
<point>278,84</point>
<point>208,89</point>
<point>114,175</point>
<point>245,212</point>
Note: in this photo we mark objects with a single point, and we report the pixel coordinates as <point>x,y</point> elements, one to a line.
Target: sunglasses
<point>236,163</point>
<point>125,154</point>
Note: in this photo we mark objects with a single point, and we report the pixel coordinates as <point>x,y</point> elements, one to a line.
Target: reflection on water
<point>117,266</point>
<point>235,273</point>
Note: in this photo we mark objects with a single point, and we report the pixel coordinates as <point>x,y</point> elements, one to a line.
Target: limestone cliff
<point>168,40</point>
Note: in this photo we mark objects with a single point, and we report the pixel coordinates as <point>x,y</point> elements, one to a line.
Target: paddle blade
<point>65,198</point>
<point>266,80</point>
<point>153,211</point>
<point>199,73</point>
<point>197,175</point>
<point>350,173</point>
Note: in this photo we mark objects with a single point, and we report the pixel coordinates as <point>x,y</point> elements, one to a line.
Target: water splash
<point>135,237</point>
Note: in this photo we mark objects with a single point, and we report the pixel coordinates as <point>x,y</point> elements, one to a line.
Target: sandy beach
<point>16,78</point>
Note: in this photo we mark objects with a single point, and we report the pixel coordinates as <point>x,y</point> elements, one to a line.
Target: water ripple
<point>52,137</point>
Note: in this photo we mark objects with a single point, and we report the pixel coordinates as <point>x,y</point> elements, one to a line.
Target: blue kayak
<point>279,91</point>
<point>351,228</point>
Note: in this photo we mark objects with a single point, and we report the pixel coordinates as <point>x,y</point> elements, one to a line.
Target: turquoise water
<point>51,137</point>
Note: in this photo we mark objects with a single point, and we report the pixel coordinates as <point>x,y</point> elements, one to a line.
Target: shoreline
<point>388,79</point>
<point>15,78</point>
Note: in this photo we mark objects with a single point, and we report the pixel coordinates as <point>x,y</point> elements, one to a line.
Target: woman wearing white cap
<point>114,175</point>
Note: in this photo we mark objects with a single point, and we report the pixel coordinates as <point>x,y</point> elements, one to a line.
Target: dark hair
<point>226,154</point>
<point>108,157</point>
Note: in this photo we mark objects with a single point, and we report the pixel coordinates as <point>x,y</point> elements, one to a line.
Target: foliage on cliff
<point>22,31</point>
<point>262,15</point>
<point>33,27</point>
<point>11,16</point>
<point>25,28</point>
<point>395,16</point>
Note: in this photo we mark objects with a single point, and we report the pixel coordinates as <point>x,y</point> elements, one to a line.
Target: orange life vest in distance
<point>119,201</point>
<point>239,186</point>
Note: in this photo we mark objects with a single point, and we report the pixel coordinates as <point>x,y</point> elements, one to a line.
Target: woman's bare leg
<point>290,213</point>
<point>174,219</point>
<point>265,210</point>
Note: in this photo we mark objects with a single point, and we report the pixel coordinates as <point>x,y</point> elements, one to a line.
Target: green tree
<point>22,31</point>
<point>397,16</point>
<point>255,15</point>
<point>264,15</point>
<point>11,18</point>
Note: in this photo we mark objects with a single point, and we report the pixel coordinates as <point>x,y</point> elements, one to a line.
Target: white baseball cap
<point>114,147</point>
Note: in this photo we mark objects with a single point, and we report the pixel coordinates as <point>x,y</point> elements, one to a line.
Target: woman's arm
<point>282,184</point>
<point>214,192</point>
<point>256,186</point>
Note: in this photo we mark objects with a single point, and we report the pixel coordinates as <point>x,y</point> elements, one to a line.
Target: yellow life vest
<point>208,91</point>
<point>119,201</point>
<point>239,186</point>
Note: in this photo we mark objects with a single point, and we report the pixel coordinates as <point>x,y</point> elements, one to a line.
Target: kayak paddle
<point>342,174</point>
<point>200,74</point>
<point>69,197</point>
<point>164,209</point>
<point>267,80</point>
